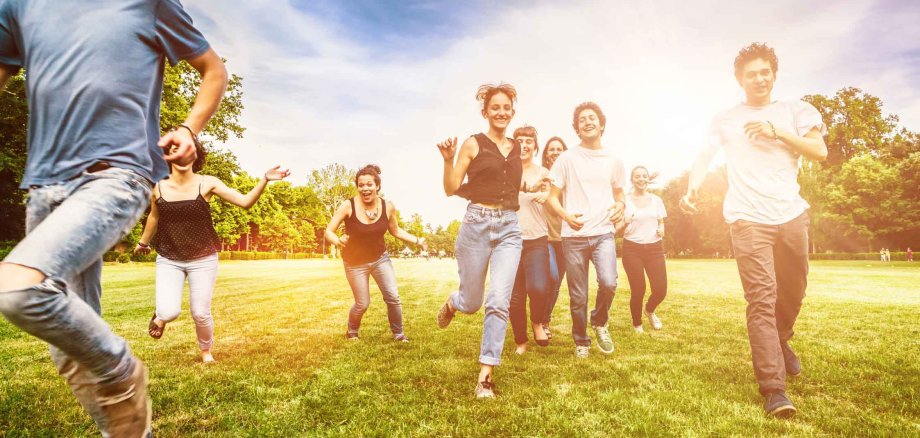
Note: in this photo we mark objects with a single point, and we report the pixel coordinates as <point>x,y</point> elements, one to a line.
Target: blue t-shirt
<point>94,78</point>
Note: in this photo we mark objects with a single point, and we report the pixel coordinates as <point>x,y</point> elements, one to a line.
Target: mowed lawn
<point>285,369</point>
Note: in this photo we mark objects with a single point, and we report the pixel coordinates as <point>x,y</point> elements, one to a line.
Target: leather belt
<point>98,166</point>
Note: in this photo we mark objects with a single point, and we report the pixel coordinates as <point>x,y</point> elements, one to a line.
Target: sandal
<point>155,331</point>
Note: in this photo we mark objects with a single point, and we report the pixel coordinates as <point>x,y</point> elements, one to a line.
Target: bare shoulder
<point>470,146</point>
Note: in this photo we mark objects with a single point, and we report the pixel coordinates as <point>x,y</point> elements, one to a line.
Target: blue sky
<point>382,82</point>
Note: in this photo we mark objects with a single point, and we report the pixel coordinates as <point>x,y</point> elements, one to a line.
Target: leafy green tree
<point>14,118</point>
<point>856,124</point>
<point>332,185</point>
<point>703,234</point>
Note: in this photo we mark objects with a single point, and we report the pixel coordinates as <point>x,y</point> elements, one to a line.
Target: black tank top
<point>365,241</point>
<point>492,178</point>
<point>185,230</point>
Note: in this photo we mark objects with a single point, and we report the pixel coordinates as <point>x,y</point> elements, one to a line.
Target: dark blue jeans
<point>579,251</point>
<point>532,281</point>
<point>556,274</point>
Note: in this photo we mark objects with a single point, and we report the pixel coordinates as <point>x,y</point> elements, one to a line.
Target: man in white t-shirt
<point>763,140</point>
<point>589,180</point>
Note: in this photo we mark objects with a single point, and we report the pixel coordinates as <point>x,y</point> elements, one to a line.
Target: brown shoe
<point>445,314</point>
<point>155,331</point>
<point>126,406</point>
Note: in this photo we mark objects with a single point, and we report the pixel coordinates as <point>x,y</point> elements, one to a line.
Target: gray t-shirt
<point>94,78</point>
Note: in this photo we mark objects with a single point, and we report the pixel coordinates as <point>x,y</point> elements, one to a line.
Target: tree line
<point>865,196</point>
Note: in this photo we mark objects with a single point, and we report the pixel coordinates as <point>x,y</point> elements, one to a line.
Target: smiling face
<point>553,150</point>
<point>528,147</point>
<point>367,188</point>
<point>756,78</point>
<point>589,125</point>
<point>639,178</point>
<point>499,111</point>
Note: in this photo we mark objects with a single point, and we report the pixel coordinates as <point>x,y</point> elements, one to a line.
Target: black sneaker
<point>793,364</point>
<point>777,405</point>
<point>446,314</point>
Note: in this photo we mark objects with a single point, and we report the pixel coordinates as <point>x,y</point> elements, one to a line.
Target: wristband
<point>143,245</point>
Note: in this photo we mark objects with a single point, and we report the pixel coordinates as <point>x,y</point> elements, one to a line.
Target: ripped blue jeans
<point>69,226</point>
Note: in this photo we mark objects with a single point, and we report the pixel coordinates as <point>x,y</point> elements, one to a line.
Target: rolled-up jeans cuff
<point>485,360</point>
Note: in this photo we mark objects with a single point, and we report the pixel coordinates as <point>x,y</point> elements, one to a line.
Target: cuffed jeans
<point>640,259</point>
<point>602,251</point>
<point>489,241</point>
<point>359,279</point>
<point>201,274</point>
<point>773,264</point>
<point>69,226</point>
<point>532,282</point>
<point>556,274</point>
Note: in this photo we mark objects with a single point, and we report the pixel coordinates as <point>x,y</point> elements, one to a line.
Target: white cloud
<point>660,71</point>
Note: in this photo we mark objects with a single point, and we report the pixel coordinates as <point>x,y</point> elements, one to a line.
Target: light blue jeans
<point>359,279</point>
<point>489,241</point>
<point>69,226</point>
<point>202,275</point>
<point>602,251</point>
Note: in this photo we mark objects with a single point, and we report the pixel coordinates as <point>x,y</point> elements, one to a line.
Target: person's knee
<point>18,277</point>
<point>201,317</point>
<point>360,306</point>
<point>500,312</point>
<point>168,314</point>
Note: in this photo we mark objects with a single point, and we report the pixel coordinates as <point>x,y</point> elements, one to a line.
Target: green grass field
<point>284,368</point>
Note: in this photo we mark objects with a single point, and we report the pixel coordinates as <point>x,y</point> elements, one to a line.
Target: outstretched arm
<point>340,214</point>
<point>454,172</point>
<point>234,197</point>
<point>400,233</point>
<point>213,84</point>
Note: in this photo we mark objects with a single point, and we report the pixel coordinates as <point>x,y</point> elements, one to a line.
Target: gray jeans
<point>359,279</point>
<point>201,274</point>
<point>69,226</point>
<point>773,264</point>
<point>602,251</point>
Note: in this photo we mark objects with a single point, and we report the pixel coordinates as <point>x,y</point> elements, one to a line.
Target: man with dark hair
<point>94,81</point>
<point>588,179</point>
<point>763,140</point>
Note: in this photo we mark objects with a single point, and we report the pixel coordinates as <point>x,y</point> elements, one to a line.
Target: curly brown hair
<point>755,51</point>
<point>372,170</point>
<point>486,91</point>
<point>588,106</point>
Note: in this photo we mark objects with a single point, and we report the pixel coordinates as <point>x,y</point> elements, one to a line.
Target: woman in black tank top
<point>367,218</point>
<point>490,238</point>
<point>180,228</point>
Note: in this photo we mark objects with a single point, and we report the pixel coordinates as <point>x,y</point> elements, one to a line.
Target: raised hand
<point>276,173</point>
<point>448,149</point>
<point>179,147</point>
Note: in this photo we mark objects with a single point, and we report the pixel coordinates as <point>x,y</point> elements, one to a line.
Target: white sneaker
<point>638,329</point>
<point>581,351</point>
<point>656,323</point>
<point>604,342</point>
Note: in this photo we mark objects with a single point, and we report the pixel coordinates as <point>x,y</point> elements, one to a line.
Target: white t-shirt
<point>531,217</point>
<point>587,178</point>
<point>643,222</point>
<point>762,173</point>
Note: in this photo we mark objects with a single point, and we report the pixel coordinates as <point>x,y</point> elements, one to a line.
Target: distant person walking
<point>643,251</point>
<point>910,255</point>
<point>554,147</point>
<point>367,218</point>
<point>763,140</point>
<point>490,237</point>
<point>180,229</point>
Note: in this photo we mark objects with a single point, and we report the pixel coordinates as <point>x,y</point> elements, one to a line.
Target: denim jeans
<point>640,259</point>
<point>556,274</point>
<point>773,265</point>
<point>201,274</point>
<point>489,241</point>
<point>69,226</point>
<point>359,279</point>
<point>532,282</point>
<point>602,251</point>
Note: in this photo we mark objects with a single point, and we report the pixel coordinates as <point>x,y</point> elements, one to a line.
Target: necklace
<point>372,214</point>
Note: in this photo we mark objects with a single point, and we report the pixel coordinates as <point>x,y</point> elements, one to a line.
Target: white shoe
<point>656,323</point>
<point>582,351</point>
<point>638,329</point>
